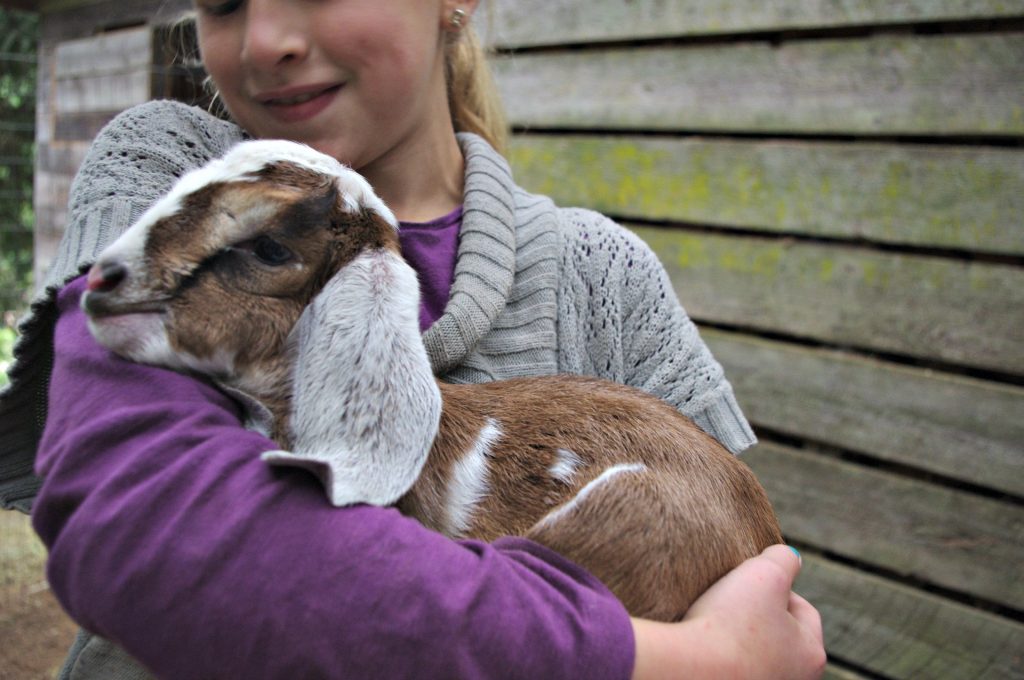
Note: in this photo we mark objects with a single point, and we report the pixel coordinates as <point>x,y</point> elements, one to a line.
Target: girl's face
<point>356,79</point>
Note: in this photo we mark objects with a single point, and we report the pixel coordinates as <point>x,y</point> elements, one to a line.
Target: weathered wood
<point>962,312</point>
<point>523,23</point>
<point>900,632</point>
<point>109,72</point>
<point>926,85</point>
<point>69,19</point>
<point>74,127</point>
<point>56,166</point>
<point>943,196</point>
<point>114,52</point>
<point>109,92</point>
<point>954,539</point>
<point>965,429</point>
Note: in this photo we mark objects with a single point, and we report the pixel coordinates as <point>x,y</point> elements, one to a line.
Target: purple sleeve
<point>169,536</point>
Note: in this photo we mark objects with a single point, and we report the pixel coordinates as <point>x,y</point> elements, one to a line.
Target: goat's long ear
<point>366,406</point>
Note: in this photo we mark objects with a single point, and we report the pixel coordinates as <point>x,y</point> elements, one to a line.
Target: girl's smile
<point>300,103</point>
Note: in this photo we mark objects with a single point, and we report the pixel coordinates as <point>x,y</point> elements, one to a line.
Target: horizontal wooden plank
<point>962,312</point>
<point>961,428</point>
<point>110,92</point>
<point>954,539</point>
<point>72,19</point>
<point>900,632</point>
<point>107,53</point>
<point>81,127</point>
<point>957,197</point>
<point>920,85</point>
<point>523,23</point>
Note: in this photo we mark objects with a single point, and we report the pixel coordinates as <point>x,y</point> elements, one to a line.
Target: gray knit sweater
<point>538,289</point>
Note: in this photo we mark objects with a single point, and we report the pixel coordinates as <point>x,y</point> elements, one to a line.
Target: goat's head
<point>255,234</point>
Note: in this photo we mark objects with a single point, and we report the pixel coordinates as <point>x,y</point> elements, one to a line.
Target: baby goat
<point>277,271</point>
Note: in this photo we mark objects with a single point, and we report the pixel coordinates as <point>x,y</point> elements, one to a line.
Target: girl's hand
<point>748,625</point>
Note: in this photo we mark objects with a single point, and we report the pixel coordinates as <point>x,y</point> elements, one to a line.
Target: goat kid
<point>277,272</point>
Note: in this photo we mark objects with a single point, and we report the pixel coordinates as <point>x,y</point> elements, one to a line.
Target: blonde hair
<point>472,95</point>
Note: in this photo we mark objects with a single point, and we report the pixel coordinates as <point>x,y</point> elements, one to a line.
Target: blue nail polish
<point>797,552</point>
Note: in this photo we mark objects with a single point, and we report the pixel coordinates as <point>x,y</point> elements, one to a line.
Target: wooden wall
<point>837,190</point>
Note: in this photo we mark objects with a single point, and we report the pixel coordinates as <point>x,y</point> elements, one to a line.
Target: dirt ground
<point>35,632</point>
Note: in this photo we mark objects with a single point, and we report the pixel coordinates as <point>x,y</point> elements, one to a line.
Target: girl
<point>168,535</point>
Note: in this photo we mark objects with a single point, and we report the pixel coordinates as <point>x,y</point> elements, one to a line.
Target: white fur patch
<point>469,483</point>
<point>138,337</point>
<point>603,479</point>
<point>240,165</point>
<point>565,466</point>
<point>143,338</point>
<point>246,158</point>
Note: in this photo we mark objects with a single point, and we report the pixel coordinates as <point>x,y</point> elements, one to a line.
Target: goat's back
<point>611,477</point>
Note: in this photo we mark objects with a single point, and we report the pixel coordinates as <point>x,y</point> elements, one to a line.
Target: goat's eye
<point>268,251</point>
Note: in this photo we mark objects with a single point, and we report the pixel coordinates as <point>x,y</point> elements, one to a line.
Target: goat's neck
<point>365,405</point>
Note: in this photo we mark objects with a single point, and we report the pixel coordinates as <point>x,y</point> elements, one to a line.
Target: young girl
<point>168,535</point>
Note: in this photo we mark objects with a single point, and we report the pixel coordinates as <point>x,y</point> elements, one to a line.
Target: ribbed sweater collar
<point>485,267</point>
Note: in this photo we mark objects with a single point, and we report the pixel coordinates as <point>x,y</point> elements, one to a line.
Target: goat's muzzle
<point>109,293</point>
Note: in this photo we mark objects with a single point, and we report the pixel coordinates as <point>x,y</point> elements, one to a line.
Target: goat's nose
<point>105,276</point>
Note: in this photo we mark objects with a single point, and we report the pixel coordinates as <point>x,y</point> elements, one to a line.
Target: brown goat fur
<point>695,513</point>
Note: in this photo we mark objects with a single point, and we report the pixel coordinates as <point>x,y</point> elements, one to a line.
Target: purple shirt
<point>169,536</point>
<point>430,248</point>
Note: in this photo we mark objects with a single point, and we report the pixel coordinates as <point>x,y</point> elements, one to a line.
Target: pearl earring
<point>458,18</point>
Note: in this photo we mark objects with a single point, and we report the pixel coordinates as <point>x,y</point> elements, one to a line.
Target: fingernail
<point>797,553</point>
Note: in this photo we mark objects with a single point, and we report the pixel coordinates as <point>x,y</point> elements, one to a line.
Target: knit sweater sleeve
<point>169,536</point>
<point>622,321</point>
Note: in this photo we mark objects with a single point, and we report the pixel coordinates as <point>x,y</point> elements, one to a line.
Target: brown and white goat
<point>277,271</point>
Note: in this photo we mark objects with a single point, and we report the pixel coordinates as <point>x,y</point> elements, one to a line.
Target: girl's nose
<point>274,34</point>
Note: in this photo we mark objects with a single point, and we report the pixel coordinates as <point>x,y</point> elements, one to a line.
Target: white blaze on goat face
<point>245,160</point>
<point>132,318</point>
<point>241,164</point>
<point>248,158</point>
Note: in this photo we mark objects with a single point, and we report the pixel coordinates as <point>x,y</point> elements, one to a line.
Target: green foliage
<point>7,337</point>
<point>18,43</point>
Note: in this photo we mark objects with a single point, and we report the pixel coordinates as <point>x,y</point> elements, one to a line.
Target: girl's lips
<point>295,108</point>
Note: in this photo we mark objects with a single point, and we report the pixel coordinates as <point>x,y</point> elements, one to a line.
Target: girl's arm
<point>170,537</point>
